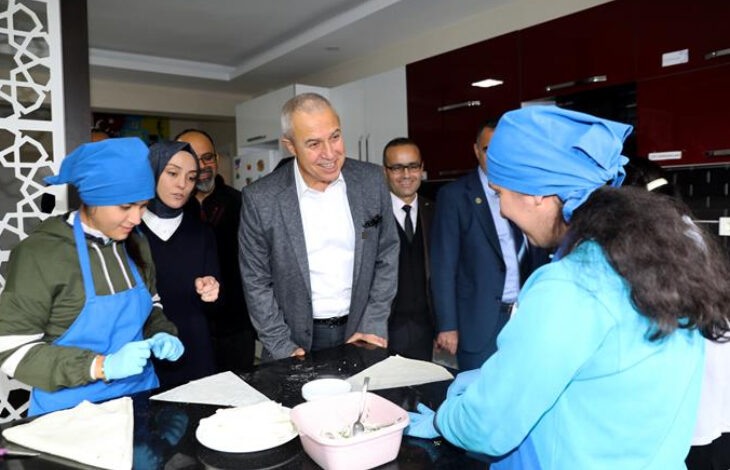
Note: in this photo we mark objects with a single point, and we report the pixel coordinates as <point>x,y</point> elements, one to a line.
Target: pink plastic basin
<point>333,415</point>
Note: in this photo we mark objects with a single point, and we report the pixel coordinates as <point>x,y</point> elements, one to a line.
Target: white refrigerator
<point>253,163</point>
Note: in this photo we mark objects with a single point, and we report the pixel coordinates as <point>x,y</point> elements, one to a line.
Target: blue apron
<point>105,324</point>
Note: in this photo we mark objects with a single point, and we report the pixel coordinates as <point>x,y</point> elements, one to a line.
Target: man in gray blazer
<point>319,247</point>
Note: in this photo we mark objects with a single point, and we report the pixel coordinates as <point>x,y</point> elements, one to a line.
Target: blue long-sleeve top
<point>576,383</point>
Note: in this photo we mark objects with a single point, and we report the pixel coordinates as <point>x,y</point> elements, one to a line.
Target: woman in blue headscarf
<point>80,316</point>
<point>601,363</point>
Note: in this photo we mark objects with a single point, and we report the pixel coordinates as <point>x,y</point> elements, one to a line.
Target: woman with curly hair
<point>600,365</point>
<point>712,432</point>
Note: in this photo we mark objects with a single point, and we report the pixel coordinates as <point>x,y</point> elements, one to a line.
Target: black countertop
<point>164,434</point>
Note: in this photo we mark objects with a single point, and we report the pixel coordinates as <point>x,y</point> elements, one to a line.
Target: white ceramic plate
<point>240,430</point>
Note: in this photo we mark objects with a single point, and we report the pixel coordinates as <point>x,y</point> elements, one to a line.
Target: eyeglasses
<point>207,157</point>
<point>402,168</point>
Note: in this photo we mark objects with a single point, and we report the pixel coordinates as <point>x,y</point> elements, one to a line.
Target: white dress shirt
<point>400,214</point>
<point>329,235</point>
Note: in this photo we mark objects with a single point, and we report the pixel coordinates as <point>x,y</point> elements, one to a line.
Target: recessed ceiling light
<point>486,83</point>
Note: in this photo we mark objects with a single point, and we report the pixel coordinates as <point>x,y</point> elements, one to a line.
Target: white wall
<point>164,100</point>
<point>135,98</point>
<point>495,21</point>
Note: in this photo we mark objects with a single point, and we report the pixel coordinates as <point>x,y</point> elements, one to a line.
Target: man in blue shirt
<point>479,260</point>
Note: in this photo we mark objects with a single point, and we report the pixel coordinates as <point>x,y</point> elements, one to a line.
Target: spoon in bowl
<point>357,426</point>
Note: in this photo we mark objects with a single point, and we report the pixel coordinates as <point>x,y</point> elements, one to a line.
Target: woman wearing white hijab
<point>185,256</point>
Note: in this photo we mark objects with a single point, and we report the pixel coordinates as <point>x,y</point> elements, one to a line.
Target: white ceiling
<point>252,46</point>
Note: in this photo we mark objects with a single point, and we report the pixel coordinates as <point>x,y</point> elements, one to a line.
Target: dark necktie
<point>408,224</point>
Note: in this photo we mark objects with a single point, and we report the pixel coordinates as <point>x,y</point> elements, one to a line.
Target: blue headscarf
<point>546,150</point>
<point>109,172</point>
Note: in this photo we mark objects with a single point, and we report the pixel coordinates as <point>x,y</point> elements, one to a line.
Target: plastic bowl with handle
<point>324,428</point>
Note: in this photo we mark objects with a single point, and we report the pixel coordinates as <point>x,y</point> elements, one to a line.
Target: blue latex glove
<point>129,360</point>
<point>166,346</point>
<point>461,382</point>
<point>422,423</point>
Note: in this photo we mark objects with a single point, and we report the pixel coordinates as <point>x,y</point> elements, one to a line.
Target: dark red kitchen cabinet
<point>497,59</point>
<point>582,51</point>
<point>444,124</point>
<point>686,112</point>
<point>663,26</point>
<point>424,84</point>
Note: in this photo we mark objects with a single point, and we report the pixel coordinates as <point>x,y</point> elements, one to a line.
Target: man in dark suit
<point>319,248</point>
<point>220,206</point>
<point>411,323</point>
<point>479,260</point>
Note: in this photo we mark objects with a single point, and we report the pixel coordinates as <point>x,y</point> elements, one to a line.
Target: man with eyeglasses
<point>479,260</point>
<point>220,205</point>
<point>411,324</point>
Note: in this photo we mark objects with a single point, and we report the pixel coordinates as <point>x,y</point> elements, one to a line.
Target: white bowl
<point>321,388</point>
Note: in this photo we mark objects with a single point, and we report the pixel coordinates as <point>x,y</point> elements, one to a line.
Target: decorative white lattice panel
<point>32,140</point>
<point>14,397</point>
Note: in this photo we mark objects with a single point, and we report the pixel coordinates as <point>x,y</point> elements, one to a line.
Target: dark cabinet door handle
<point>465,104</point>
<point>572,83</point>
<point>718,153</point>
<point>359,148</point>
<point>718,53</point>
<point>256,137</point>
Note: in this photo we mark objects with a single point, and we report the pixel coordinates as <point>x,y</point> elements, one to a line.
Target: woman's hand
<point>422,423</point>
<point>129,360</point>
<point>207,287</point>
<point>166,346</point>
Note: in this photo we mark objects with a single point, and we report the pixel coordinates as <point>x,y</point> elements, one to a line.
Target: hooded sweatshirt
<point>44,294</point>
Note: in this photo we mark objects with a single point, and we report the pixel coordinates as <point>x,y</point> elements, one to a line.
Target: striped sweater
<point>44,294</point>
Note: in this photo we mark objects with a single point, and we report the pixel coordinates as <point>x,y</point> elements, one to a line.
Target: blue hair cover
<point>546,150</point>
<point>109,172</point>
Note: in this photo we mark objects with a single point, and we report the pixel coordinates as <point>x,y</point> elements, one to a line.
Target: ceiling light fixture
<point>487,83</point>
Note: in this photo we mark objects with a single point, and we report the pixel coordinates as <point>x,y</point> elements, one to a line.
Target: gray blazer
<point>275,269</point>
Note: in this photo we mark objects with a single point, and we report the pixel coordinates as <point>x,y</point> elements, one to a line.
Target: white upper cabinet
<point>258,120</point>
<point>372,111</point>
